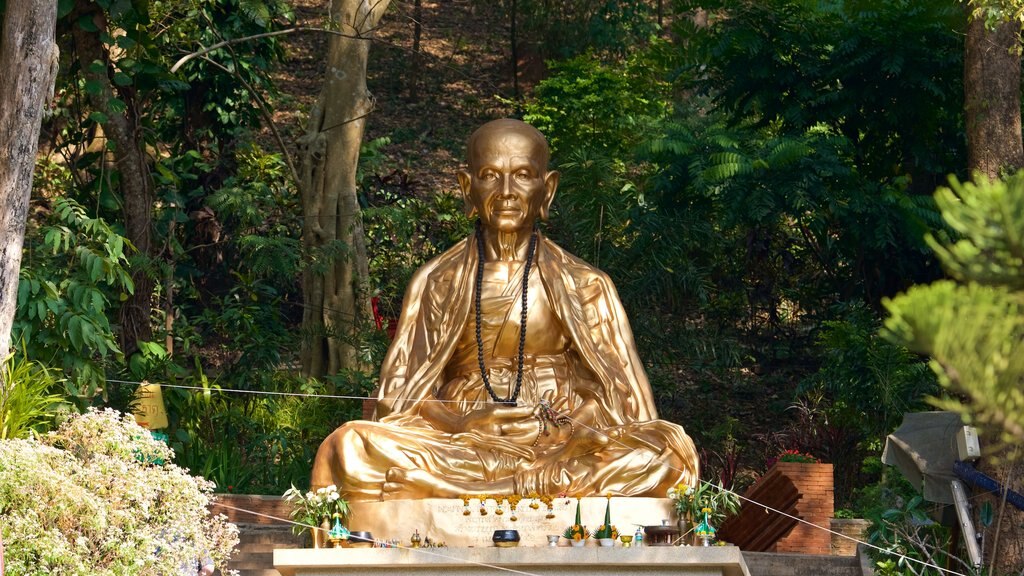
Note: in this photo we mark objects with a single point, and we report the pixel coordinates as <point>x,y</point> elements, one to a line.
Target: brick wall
<point>237,507</point>
<point>815,505</point>
<point>855,528</point>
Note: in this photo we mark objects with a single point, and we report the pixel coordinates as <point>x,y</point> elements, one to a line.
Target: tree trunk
<point>992,109</point>
<point>414,72</point>
<point>1004,546</point>
<point>514,41</point>
<point>337,304</point>
<point>28,59</point>
<point>136,185</point>
<point>992,98</point>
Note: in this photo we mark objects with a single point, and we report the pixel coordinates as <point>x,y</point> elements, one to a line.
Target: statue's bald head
<point>505,128</point>
<point>508,182</point>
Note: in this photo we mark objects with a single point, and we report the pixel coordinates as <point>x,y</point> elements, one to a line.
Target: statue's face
<point>508,183</point>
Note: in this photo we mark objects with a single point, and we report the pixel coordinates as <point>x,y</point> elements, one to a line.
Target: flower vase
<point>320,533</point>
<point>685,530</point>
<point>606,542</point>
<point>578,543</point>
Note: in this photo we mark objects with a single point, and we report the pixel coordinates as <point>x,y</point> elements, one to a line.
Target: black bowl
<point>360,539</point>
<point>505,538</point>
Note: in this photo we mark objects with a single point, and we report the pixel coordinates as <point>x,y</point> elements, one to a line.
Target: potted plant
<point>795,456</point>
<point>577,534</point>
<point>707,503</point>
<point>607,534</point>
<point>314,510</point>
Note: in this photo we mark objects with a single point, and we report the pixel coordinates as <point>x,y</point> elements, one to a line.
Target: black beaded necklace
<point>522,322</point>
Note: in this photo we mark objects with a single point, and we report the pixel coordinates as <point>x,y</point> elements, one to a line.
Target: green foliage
<point>257,444</point>
<point>995,12</point>
<point>846,66</point>
<point>910,541</point>
<point>254,214</point>
<point>990,219</point>
<point>570,27</point>
<point>405,226</point>
<point>585,103</point>
<point>248,326</point>
<point>257,200</point>
<point>837,124</point>
<point>690,503</point>
<point>219,80</point>
<point>974,329</point>
<point>187,125</point>
<point>225,233</point>
<point>28,401</point>
<point>238,326</point>
<point>237,285</point>
<point>75,271</point>
<point>595,115</point>
<point>874,380</point>
<point>859,394</point>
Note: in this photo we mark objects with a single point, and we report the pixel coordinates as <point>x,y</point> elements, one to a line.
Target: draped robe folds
<point>636,454</point>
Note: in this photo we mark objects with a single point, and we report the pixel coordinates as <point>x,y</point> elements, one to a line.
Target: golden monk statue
<point>513,369</point>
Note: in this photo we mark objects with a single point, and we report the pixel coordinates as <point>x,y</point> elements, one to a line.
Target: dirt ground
<point>426,102</point>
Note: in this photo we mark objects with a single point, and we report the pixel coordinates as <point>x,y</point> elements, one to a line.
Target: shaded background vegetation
<point>756,177</point>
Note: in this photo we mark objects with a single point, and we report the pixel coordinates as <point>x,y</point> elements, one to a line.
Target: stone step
<point>257,542</point>
<point>257,547</point>
<point>278,538</point>
<point>258,572</point>
<point>254,533</point>
<point>253,561</point>
<point>264,528</point>
<point>771,564</point>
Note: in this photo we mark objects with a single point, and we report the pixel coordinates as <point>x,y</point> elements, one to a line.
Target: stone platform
<point>443,519</point>
<point>561,561</point>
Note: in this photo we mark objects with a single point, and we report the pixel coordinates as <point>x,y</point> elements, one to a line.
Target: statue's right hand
<point>498,420</point>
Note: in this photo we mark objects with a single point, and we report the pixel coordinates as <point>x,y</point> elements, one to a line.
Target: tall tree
<point>992,101</point>
<point>334,282</point>
<point>992,87</point>
<point>28,58</point>
<point>123,126</point>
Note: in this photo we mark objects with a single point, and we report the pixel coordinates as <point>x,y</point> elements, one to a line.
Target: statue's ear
<point>550,185</point>
<point>465,180</point>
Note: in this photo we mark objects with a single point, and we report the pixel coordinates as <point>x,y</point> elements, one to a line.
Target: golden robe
<point>582,360</point>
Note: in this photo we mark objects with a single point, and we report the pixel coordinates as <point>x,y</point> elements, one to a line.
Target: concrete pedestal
<point>543,561</point>
<point>443,520</point>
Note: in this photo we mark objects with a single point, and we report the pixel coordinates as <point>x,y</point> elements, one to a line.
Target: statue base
<point>562,561</point>
<point>444,519</point>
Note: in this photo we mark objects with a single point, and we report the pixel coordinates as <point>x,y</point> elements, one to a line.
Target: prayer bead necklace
<point>522,323</point>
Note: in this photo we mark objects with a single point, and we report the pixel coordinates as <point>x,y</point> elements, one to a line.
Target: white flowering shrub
<point>99,496</point>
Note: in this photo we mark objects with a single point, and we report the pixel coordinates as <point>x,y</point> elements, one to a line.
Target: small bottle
<point>638,538</point>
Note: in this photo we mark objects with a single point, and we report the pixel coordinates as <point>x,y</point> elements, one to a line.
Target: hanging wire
<point>767,508</point>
